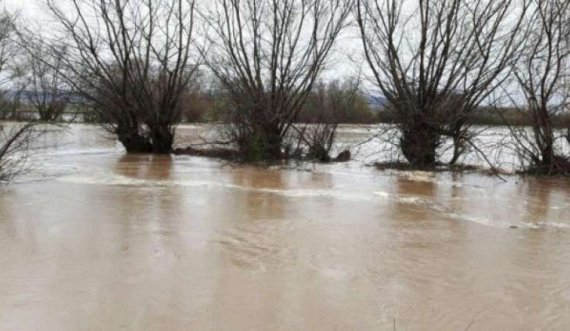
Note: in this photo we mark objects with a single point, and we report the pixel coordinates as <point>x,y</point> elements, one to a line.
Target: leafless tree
<point>267,55</point>
<point>8,100</point>
<point>45,87</point>
<point>15,143</point>
<point>543,75</point>
<point>328,105</point>
<point>132,60</point>
<point>7,48</point>
<point>15,146</point>
<point>436,62</point>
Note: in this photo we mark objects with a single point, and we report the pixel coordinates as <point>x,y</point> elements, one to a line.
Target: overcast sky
<point>27,7</point>
<point>348,61</point>
<point>34,12</point>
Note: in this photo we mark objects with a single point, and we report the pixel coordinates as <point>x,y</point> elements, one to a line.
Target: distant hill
<point>25,95</point>
<point>377,102</point>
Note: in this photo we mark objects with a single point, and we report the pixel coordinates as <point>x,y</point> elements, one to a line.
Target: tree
<point>14,142</point>
<point>542,77</point>
<point>436,62</point>
<point>45,88</point>
<point>267,56</point>
<point>328,105</point>
<point>341,101</point>
<point>132,60</point>
<point>8,100</point>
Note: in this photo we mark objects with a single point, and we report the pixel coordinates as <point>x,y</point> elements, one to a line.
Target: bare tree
<point>45,87</point>
<point>8,98</point>
<point>7,48</point>
<point>436,62</point>
<point>267,55</point>
<point>132,60</point>
<point>542,76</point>
<point>16,142</point>
<point>328,105</point>
<point>15,145</point>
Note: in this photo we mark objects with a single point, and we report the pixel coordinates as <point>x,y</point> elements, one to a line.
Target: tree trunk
<point>458,150</point>
<point>264,143</point>
<point>419,143</point>
<point>135,142</point>
<point>273,142</point>
<point>459,147</point>
<point>544,137</point>
<point>162,139</point>
<point>548,159</point>
<point>459,135</point>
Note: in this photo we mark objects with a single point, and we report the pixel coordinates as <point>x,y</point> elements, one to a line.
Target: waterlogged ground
<point>96,240</point>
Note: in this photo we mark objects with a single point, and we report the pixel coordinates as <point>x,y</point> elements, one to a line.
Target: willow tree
<point>132,60</point>
<point>267,55</point>
<point>436,62</point>
<point>543,77</point>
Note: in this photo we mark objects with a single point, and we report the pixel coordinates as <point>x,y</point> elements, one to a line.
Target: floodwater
<point>97,240</point>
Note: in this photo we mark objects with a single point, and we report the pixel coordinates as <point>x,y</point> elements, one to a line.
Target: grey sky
<point>345,63</point>
<point>28,8</point>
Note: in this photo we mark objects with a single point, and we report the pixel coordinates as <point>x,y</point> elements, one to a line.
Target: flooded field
<point>97,240</point>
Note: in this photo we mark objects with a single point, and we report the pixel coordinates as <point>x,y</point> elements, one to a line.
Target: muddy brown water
<point>93,239</point>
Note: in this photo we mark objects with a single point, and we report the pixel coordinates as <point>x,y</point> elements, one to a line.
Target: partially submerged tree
<point>15,142</point>
<point>542,76</point>
<point>132,60</point>
<point>267,55</point>
<point>328,106</point>
<point>436,62</point>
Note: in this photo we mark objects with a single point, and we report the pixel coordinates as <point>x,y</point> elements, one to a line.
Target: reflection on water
<point>145,167</point>
<point>109,241</point>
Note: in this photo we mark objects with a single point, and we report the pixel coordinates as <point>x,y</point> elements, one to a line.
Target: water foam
<point>118,180</point>
<point>543,225</point>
